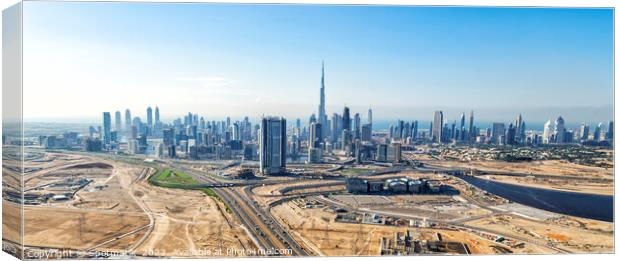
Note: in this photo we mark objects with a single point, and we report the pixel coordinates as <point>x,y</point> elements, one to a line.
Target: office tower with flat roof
<point>437,127</point>
<point>107,124</point>
<point>127,120</point>
<point>394,153</point>
<point>366,132</point>
<point>522,130</point>
<point>382,151</point>
<point>472,133</point>
<point>346,127</point>
<point>357,121</point>
<point>149,117</point>
<point>336,126</point>
<point>315,138</point>
<point>117,121</point>
<point>610,131</point>
<point>168,136</point>
<point>315,151</point>
<point>498,132</point>
<point>272,151</point>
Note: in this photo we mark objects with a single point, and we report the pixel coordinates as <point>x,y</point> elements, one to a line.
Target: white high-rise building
<point>547,132</point>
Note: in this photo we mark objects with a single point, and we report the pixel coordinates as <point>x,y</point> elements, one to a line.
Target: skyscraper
<point>462,127</point>
<point>235,131</point>
<point>107,122</point>
<point>370,116</point>
<point>117,121</point>
<point>498,132</point>
<point>127,120</point>
<point>336,126</point>
<point>346,119</point>
<point>272,146</point>
<point>312,118</point>
<point>453,131</point>
<point>597,131</point>
<point>357,126</point>
<point>437,127</point>
<point>547,132</point>
<point>346,127</point>
<point>156,114</point>
<point>519,131</point>
<point>511,134</point>
<point>366,132</point>
<point>315,135</point>
<point>610,131</point>
<point>322,116</point>
<point>560,130</point>
<point>584,132</point>
<point>472,133</point>
<point>149,117</point>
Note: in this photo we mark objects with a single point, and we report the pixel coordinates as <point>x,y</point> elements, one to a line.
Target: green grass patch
<point>173,179</point>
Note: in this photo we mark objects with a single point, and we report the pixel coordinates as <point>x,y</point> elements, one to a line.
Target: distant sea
<point>57,128</point>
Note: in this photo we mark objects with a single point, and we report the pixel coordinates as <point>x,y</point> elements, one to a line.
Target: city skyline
<point>400,74</point>
<point>185,130</point>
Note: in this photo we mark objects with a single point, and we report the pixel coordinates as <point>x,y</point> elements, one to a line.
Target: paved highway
<point>259,222</point>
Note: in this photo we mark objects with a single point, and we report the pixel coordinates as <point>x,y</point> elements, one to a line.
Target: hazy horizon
<point>534,118</point>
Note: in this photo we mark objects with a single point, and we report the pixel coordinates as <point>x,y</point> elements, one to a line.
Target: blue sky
<point>405,62</point>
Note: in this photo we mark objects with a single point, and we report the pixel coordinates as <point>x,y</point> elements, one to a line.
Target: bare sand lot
<point>189,223</point>
<point>595,180</point>
<point>601,188</point>
<point>574,234</point>
<point>78,229</point>
<point>116,209</point>
<point>319,231</point>
<point>436,207</point>
<point>547,167</point>
<point>11,221</point>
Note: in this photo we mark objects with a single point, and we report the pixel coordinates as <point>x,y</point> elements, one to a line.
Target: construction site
<point>117,206</point>
<point>93,206</point>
